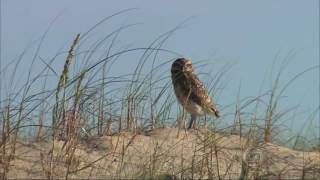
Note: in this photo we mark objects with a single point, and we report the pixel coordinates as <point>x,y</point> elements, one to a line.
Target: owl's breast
<point>194,108</point>
<point>184,99</point>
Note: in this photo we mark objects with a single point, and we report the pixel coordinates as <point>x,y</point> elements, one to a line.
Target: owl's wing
<point>199,95</point>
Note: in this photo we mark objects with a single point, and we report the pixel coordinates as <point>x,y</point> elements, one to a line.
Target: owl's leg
<point>192,121</point>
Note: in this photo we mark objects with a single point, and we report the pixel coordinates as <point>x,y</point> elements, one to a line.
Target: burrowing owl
<point>190,91</point>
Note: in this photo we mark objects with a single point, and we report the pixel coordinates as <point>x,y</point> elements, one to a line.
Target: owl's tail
<point>215,112</point>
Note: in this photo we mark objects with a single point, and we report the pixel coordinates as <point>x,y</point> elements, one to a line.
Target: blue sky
<point>246,34</point>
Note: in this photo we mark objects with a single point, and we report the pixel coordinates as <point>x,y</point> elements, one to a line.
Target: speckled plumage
<point>190,91</point>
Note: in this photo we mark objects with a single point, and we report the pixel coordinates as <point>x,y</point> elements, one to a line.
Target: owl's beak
<point>187,69</point>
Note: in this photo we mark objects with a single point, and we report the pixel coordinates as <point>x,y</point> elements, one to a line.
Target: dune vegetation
<point>86,121</point>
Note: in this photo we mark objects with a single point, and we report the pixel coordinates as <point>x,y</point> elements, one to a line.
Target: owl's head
<point>181,65</point>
